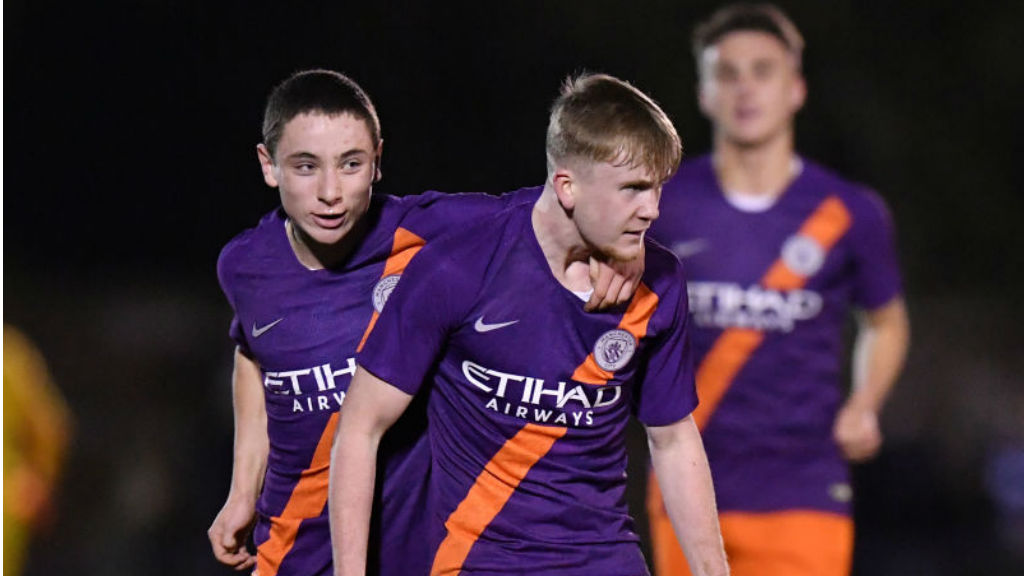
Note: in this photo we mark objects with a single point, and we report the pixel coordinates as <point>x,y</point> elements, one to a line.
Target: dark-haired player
<point>306,286</point>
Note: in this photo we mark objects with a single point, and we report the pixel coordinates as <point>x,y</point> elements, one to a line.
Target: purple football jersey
<point>303,327</point>
<point>769,294</point>
<point>530,397</point>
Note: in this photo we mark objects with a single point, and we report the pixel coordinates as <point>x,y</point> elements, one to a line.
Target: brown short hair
<point>316,91</point>
<point>744,17</point>
<point>603,119</point>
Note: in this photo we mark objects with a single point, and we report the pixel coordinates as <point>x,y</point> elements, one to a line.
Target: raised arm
<point>231,527</point>
<point>371,407</point>
<point>682,468</point>
<point>883,337</point>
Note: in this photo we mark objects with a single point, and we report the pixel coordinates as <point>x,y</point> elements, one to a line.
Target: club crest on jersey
<point>803,254</point>
<point>614,349</point>
<point>382,291</point>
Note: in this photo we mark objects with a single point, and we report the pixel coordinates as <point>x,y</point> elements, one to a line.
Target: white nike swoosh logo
<point>257,332</point>
<point>481,327</point>
<point>690,247</point>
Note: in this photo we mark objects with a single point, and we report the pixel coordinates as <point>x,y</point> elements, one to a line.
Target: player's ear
<point>564,183</point>
<point>266,165</point>
<point>702,98</point>
<point>377,175</point>
<point>799,93</point>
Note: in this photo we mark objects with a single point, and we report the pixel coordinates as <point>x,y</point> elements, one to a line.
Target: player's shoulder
<point>476,241</point>
<point>487,230</point>
<point>437,199</point>
<point>256,242</point>
<point>663,272</point>
<point>864,203</point>
<point>433,213</point>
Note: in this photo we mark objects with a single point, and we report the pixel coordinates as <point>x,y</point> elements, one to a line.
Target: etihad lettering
<point>534,399</point>
<point>315,389</point>
<point>306,380</point>
<point>730,305</point>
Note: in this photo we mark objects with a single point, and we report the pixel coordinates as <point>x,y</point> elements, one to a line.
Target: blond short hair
<point>600,118</point>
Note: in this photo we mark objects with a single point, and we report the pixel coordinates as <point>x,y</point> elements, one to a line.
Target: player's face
<point>324,168</point>
<point>750,88</point>
<point>613,206</point>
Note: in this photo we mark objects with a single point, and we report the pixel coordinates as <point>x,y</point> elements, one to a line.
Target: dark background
<point>130,160</point>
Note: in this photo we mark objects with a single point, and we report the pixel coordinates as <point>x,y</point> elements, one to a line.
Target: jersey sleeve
<point>667,390</point>
<point>224,276</point>
<point>876,266</point>
<point>410,334</point>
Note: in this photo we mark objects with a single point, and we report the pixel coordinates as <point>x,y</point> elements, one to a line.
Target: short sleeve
<point>235,331</point>
<point>409,336</point>
<point>667,391</point>
<point>876,266</point>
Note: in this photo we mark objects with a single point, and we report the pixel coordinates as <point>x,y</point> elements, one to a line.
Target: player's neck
<point>316,256</point>
<point>565,251</point>
<point>765,169</point>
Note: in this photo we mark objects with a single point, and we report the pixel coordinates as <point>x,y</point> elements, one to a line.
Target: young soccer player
<point>777,250</point>
<point>306,286</point>
<point>529,395</point>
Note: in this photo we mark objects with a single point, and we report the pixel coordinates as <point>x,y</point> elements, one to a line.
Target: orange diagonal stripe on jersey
<point>307,501</point>
<point>634,321</point>
<point>488,495</point>
<point>825,226</point>
<point>404,247</point>
<point>729,353</point>
<point>734,346</point>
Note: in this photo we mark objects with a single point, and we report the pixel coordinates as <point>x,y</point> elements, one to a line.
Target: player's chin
<point>630,247</point>
<point>329,236</point>
<point>748,134</point>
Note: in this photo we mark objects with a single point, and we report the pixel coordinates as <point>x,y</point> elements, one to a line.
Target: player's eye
<point>725,74</point>
<point>637,188</point>
<point>763,70</point>
<point>305,168</point>
<point>352,165</point>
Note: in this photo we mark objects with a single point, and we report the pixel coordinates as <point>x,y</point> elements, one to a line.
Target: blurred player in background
<point>529,395</point>
<point>777,250</point>
<point>306,286</point>
<point>36,432</point>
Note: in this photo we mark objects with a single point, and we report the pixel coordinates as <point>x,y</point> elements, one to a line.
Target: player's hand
<point>228,534</point>
<point>614,281</point>
<point>857,433</point>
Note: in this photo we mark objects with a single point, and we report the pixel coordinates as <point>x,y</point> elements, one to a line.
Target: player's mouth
<point>329,221</point>
<point>746,114</point>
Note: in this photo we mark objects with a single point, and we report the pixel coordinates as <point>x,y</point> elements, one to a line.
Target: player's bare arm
<point>677,454</point>
<point>880,350</point>
<point>371,407</point>
<point>231,527</point>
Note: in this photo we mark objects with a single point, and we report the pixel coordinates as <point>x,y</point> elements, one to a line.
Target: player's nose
<point>330,191</point>
<point>648,209</point>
